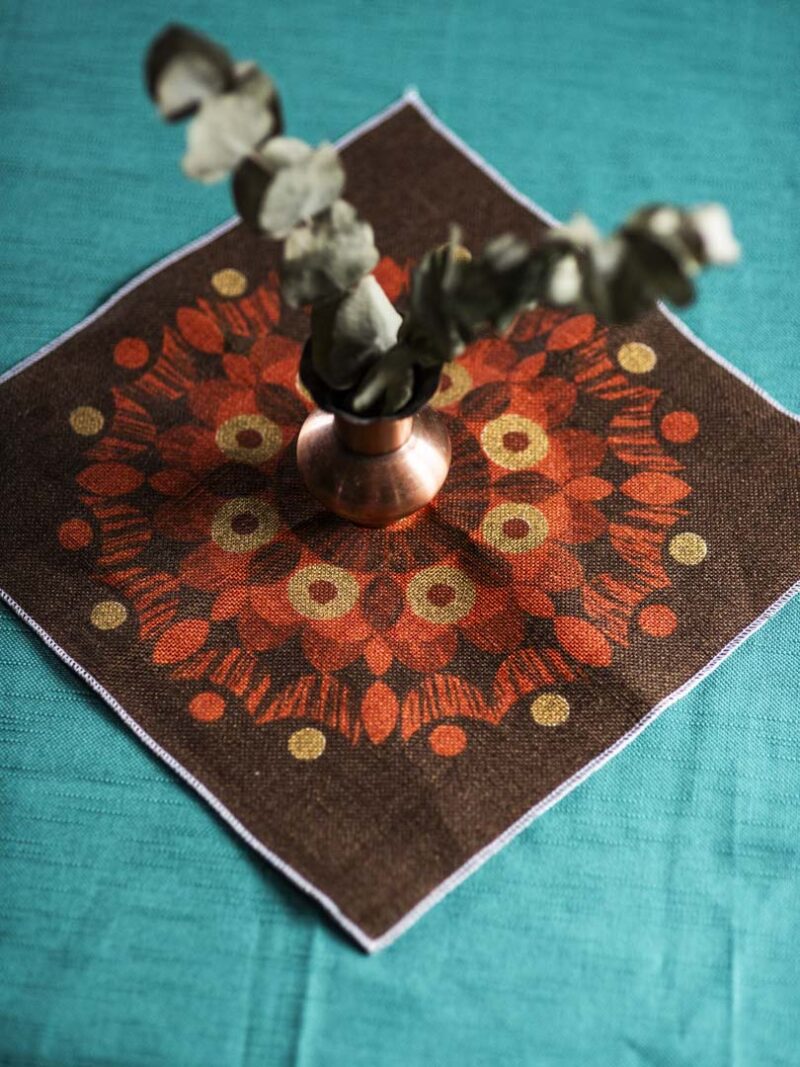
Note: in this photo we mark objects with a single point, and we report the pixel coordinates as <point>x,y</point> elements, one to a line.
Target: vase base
<point>368,487</point>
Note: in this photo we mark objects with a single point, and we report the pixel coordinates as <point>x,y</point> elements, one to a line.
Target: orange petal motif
<point>570,333</point>
<point>378,656</point>
<point>497,353</point>
<point>173,482</point>
<point>110,479</point>
<point>499,632</point>
<point>534,601</point>
<point>557,569</point>
<point>215,401</point>
<point>379,712</point>
<point>575,522</point>
<point>186,518</point>
<point>547,401</point>
<point>272,603</point>
<point>655,488</point>
<point>228,602</point>
<point>257,634</point>
<point>572,453</point>
<point>239,370</point>
<point>191,448</point>
<point>200,330</point>
<point>327,653</point>
<point>428,655</point>
<point>583,641</point>
<point>589,487</point>
<point>180,641</point>
<point>528,368</point>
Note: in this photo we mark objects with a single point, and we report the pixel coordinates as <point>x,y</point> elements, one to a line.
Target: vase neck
<point>373,438</point>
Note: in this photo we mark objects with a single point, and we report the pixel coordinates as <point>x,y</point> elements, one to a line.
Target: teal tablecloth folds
<point>650,915</point>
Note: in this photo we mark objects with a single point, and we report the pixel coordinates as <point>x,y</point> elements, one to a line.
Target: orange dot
<point>131,352</point>
<point>74,534</point>
<point>207,707</point>
<point>658,620</point>
<point>680,427</point>
<point>180,641</point>
<point>447,740</point>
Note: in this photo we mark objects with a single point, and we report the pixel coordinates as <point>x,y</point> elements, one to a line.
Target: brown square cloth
<point>377,711</point>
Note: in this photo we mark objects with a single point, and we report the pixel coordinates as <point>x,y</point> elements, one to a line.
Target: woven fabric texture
<point>651,914</point>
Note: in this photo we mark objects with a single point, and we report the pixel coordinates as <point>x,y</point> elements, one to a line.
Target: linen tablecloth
<point>653,913</point>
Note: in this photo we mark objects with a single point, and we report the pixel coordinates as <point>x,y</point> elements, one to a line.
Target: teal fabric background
<point>652,916</point>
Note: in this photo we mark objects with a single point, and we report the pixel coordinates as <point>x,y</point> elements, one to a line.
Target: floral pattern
<point>541,559</point>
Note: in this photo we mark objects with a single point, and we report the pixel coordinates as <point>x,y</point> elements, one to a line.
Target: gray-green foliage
<point>362,349</point>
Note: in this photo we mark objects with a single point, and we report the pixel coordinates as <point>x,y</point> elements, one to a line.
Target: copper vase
<point>374,472</point>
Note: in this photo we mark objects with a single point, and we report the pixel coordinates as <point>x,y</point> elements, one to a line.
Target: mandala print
<point>540,560</point>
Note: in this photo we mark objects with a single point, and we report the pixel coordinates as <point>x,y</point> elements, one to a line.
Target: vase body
<point>374,472</point>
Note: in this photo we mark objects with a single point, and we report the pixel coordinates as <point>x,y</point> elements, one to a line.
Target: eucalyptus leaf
<point>183,68</point>
<point>367,317</point>
<point>305,181</point>
<point>225,130</point>
<point>251,81</point>
<point>364,358</point>
<point>352,332</point>
<point>713,226</point>
<point>328,255</point>
<point>388,385</point>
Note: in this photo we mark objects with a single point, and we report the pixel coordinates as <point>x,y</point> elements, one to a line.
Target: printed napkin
<point>378,711</point>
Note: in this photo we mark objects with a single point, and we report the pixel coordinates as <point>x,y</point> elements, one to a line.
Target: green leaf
<point>225,129</point>
<point>183,68</point>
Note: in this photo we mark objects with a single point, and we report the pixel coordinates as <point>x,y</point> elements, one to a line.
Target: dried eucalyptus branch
<point>365,358</point>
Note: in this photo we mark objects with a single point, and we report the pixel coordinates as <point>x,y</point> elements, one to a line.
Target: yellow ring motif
<point>251,508</point>
<point>459,604</point>
<point>228,438</point>
<point>494,439</point>
<point>494,523</point>
<point>458,386</point>
<point>302,593</point>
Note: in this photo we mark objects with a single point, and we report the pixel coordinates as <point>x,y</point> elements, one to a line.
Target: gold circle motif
<point>550,709</point>
<point>86,421</point>
<point>688,548</point>
<point>108,615</point>
<point>322,591</point>
<point>229,282</point>
<point>459,384</point>
<point>636,358</point>
<point>530,435</point>
<point>260,519</point>
<point>495,527</point>
<point>308,743</point>
<point>232,431</point>
<point>458,590</point>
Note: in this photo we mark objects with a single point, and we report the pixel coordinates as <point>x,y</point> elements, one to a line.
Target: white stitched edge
<point>412,97</point>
